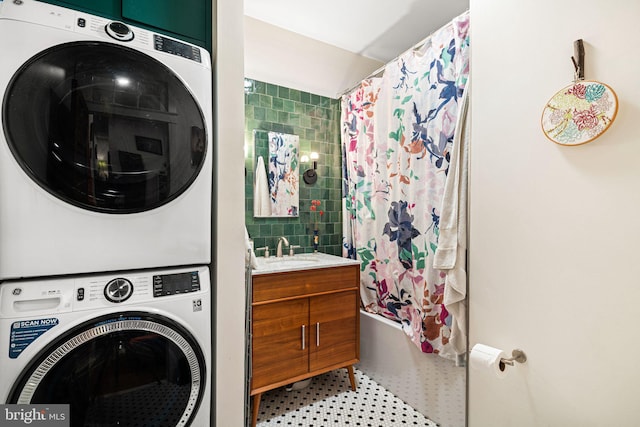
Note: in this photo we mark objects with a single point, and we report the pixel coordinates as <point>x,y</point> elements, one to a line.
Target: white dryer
<point>127,349</point>
<point>105,146</point>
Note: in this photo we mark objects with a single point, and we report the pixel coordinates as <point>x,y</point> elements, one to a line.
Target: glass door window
<point>131,369</point>
<point>104,127</point>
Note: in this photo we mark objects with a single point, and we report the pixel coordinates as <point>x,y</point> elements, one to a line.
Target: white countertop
<point>299,262</point>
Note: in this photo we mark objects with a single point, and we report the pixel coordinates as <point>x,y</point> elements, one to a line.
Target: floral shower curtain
<point>397,132</point>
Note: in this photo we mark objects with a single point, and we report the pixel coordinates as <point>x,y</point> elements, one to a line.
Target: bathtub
<point>430,384</point>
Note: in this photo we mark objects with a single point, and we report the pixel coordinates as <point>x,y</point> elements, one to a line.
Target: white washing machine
<point>105,146</point>
<point>126,349</point>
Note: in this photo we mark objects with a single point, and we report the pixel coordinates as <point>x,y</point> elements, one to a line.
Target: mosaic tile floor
<point>329,401</point>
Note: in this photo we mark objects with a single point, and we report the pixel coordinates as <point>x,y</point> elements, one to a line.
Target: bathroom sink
<point>287,262</point>
<point>295,259</point>
<point>298,262</point>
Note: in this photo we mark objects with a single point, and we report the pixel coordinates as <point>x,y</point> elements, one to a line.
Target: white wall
<point>554,232</point>
<point>284,58</point>
<point>229,221</point>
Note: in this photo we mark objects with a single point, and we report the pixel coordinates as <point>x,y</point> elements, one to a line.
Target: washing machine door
<point>132,369</point>
<point>104,127</point>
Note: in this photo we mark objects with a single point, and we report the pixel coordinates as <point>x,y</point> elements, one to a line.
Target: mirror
<point>276,174</point>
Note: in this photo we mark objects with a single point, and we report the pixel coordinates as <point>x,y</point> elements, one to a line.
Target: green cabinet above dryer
<point>188,20</point>
<point>106,8</point>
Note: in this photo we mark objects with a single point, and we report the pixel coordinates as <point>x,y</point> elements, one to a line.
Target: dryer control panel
<point>49,15</point>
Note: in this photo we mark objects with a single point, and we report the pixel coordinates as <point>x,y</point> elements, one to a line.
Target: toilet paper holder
<point>517,355</point>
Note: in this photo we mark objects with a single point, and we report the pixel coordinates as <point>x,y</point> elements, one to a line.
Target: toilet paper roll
<point>483,357</point>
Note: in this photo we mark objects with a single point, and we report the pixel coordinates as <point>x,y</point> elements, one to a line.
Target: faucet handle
<point>266,251</point>
<point>291,249</point>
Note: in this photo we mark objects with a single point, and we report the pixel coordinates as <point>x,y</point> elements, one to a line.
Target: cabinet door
<point>186,17</point>
<point>107,8</point>
<point>277,352</point>
<point>333,327</point>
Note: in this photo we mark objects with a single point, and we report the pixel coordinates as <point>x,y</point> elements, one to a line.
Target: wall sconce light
<point>248,86</point>
<point>310,176</point>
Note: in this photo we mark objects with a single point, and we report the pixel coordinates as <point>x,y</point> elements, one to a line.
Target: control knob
<point>118,290</point>
<point>119,31</point>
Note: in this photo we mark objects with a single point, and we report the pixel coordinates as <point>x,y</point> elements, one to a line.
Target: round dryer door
<point>131,369</point>
<point>104,127</point>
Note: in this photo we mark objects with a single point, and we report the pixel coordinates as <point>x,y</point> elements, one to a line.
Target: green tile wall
<point>316,120</point>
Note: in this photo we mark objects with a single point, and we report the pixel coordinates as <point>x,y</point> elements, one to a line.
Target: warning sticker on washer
<point>24,332</point>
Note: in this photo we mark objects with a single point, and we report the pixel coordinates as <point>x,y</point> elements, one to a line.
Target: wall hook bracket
<point>578,59</point>
<point>517,355</point>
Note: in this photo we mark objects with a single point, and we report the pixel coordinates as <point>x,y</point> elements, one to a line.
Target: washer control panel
<point>126,288</point>
<point>175,283</point>
<point>54,296</point>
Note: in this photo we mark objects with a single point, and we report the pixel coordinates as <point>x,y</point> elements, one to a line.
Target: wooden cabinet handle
<point>303,334</point>
<point>317,334</point>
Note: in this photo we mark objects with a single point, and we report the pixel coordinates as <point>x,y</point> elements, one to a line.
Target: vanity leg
<point>352,378</point>
<point>256,408</point>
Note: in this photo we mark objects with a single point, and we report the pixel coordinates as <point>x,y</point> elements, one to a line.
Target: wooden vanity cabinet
<point>304,323</point>
<point>277,352</point>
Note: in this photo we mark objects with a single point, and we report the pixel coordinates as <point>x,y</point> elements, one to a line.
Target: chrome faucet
<point>279,249</point>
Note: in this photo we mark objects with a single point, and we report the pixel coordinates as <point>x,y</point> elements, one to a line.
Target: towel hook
<point>517,355</point>
<point>578,64</point>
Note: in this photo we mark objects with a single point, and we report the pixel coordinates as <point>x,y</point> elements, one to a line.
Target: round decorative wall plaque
<point>579,113</point>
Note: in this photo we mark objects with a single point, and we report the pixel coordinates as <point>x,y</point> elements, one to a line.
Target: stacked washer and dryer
<point>105,219</point>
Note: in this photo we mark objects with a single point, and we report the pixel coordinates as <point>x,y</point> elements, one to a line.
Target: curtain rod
<point>379,71</point>
<point>416,46</point>
<point>370,76</point>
